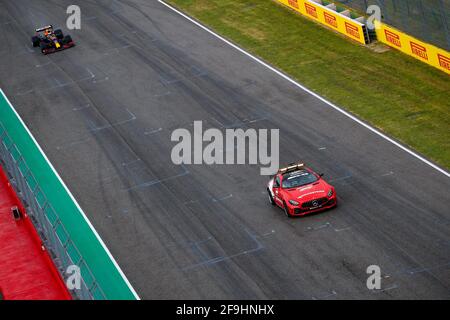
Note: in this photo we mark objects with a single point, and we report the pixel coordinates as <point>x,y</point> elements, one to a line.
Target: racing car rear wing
<point>44,28</point>
<point>291,167</point>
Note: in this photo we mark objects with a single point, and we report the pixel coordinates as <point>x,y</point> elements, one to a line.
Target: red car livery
<point>298,190</point>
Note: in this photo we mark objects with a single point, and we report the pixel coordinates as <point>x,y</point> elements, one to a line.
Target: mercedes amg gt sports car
<point>298,190</point>
<point>50,40</point>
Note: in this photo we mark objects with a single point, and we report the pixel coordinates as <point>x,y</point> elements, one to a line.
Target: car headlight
<point>293,202</point>
<point>330,193</point>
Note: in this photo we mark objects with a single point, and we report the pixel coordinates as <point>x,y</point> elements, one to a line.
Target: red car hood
<point>309,192</point>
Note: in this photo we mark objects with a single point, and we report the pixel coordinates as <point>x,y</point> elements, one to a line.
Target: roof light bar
<point>291,167</point>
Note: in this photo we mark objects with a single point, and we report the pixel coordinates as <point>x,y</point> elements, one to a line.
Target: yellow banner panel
<point>425,52</point>
<point>342,24</point>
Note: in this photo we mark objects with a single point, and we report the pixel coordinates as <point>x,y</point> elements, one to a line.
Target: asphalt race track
<point>104,112</point>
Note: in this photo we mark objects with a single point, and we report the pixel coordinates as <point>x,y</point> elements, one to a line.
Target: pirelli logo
<point>419,50</point>
<point>393,38</point>
<point>330,19</point>
<point>352,30</point>
<point>293,3</point>
<point>444,62</point>
<point>311,10</point>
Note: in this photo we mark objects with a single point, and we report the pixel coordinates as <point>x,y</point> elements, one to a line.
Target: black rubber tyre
<point>67,39</point>
<point>59,34</point>
<point>44,46</point>
<point>285,210</point>
<point>272,202</point>
<point>36,41</point>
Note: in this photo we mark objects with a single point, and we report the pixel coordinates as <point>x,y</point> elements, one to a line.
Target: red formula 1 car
<point>299,191</point>
<point>50,40</point>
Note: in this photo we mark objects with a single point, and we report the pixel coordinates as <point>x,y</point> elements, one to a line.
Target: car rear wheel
<point>272,202</point>
<point>36,41</point>
<point>59,34</point>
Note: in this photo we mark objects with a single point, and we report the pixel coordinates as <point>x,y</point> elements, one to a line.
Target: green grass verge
<point>397,94</point>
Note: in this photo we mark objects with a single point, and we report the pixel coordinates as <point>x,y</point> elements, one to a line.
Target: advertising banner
<point>330,18</point>
<point>425,52</point>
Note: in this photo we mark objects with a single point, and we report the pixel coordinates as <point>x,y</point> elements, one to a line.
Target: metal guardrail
<point>46,220</point>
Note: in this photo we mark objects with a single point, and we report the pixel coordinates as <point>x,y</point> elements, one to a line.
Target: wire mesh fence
<point>46,220</point>
<point>428,20</point>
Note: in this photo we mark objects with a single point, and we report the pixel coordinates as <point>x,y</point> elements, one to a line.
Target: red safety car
<point>298,190</point>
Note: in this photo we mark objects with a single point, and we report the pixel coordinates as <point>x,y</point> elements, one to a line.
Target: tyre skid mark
<point>93,130</point>
<point>92,77</point>
<point>325,295</point>
<point>210,199</point>
<point>212,261</point>
<point>154,182</point>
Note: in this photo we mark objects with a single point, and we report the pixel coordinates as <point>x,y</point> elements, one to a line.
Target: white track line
<point>309,91</point>
<point>73,199</point>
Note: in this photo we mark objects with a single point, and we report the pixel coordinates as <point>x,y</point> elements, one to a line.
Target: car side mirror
<point>321,174</point>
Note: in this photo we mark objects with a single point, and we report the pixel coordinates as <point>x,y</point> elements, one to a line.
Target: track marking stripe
<point>444,172</point>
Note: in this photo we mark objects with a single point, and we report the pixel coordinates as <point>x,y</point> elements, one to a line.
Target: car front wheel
<point>272,202</point>
<point>286,210</point>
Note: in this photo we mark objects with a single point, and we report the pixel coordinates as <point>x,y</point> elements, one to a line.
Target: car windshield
<point>298,178</point>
